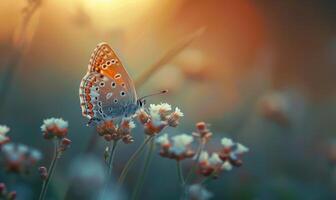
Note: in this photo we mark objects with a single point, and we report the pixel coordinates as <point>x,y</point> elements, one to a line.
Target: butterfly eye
<point>102,84</point>
<point>113,61</point>
<point>115,100</point>
<point>113,84</point>
<point>99,103</point>
<point>123,84</point>
<point>108,63</point>
<point>104,66</point>
<point>122,93</point>
<point>97,88</point>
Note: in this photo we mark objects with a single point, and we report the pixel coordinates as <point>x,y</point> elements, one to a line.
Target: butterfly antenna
<point>154,94</point>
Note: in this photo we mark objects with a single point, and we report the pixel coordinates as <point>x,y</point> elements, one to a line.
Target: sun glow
<point>117,13</point>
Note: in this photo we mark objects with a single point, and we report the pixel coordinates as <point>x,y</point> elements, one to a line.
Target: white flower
<point>8,148</point>
<point>163,140</point>
<point>198,192</point>
<point>178,112</point>
<point>227,143</point>
<point>11,152</point>
<point>214,160</point>
<point>156,108</point>
<point>3,139</point>
<point>180,142</point>
<point>36,154</point>
<point>241,149</point>
<point>130,122</point>
<point>156,119</point>
<point>227,166</point>
<point>204,156</point>
<point>58,122</point>
<point>22,149</point>
<point>4,129</point>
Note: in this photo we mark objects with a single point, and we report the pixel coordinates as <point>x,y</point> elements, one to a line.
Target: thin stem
<point>131,161</point>
<point>111,157</point>
<point>168,56</point>
<point>207,179</point>
<point>180,173</point>
<point>50,172</point>
<point>193,167</point>
<point>144,172</point>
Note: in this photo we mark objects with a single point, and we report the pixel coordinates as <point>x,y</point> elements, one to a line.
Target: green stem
<point>206,180</point>
<point>110,165</point>
<point>193,167</point>
<point>180,173</point>
<point>131,161</point>
<point>144,172</point>
<point>111,158</point>
<point>50,173</point>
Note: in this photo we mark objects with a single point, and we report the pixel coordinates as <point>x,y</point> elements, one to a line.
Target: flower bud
<point>127,139</point>
<point>65,143</point>
<point>43,172</point>
<point>201,126</point>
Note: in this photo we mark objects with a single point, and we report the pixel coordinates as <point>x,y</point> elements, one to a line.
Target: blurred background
<point>262,72</point>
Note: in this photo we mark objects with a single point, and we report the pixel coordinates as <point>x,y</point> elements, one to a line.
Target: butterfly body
<point>107,91</point>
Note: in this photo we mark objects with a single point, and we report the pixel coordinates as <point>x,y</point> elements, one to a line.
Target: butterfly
<point>107,90</point>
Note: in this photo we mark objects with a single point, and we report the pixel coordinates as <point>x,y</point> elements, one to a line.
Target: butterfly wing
<point>106,90</point>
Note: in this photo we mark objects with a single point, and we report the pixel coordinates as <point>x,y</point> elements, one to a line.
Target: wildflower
<point>232,152</point>
<point>159,118</point>
<point>54,127</point>
<point>198,192</point>
<point>178,149</point>
<point>173,118</point>
<point>5,194</point>
<point>161,109</point>
<point>122,131</point>
<point>3,138</point>
<point>64,145</point>
<point>19,158</point>
<point>227,158</point>
<point>209,166</point>
<point>142,116</point>
<point>202,131</point>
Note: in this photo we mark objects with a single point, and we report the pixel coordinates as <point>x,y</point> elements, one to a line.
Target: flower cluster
<point>158,117</point>
<point>227,158</point>
<point>54,127</point>
<point>5,194</point>
<point>20,158</point>
<point>111,131</point>
<point>3,137</point>
<point>202,131</point>
<point>198,192</point>
<point>176,147</point>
